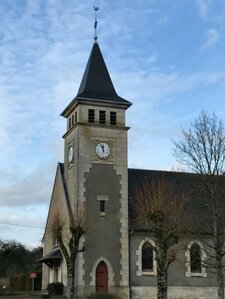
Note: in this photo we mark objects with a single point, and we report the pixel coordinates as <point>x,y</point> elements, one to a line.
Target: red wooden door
<point>102,278</point>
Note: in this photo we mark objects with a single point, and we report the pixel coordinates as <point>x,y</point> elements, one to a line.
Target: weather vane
<point>96,8</point>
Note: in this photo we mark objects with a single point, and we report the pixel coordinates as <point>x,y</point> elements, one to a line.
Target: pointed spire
<point>96,85</point>
<point>96,82</point>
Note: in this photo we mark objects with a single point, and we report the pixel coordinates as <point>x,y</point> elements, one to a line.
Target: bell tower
<point>95,172</point>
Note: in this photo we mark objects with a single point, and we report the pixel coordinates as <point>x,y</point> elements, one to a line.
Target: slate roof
<point>183,181</point>
<point>54,255</point>
<point>96,85</point>
<point>186,183</point>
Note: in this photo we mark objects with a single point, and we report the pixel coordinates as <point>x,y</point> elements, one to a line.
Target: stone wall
<point>175,293</point>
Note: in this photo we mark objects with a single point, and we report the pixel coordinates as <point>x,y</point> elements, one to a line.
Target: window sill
<point>192,274</point>
<point>146,273</point>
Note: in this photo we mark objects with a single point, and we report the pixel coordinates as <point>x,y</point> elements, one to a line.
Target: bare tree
<point>202,150</point>
<point>161,210</point>
<point>68,239</point>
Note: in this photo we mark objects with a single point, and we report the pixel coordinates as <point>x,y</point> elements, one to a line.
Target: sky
<point>165,56</point>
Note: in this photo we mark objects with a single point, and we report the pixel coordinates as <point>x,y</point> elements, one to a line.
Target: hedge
<point>55,288</point>
<point>22,282</point>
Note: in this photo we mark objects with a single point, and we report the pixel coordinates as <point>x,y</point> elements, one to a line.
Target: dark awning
<point>51,258</point>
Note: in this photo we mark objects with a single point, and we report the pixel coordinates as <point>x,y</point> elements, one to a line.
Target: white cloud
<point>149,87</point>
<point>212,38</point>
<point>211,11</point>
<point>203,7</point>
<point>32,190</point>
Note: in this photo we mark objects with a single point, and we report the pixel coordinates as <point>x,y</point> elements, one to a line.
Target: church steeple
<point>96,82</point>
<point>95,172</point>
<point>96,85</point>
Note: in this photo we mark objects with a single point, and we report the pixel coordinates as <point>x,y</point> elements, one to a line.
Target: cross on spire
<point>96,8</point>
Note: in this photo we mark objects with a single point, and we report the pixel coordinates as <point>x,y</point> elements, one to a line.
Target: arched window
<point>195,258</point>
<point>147,257</point>
<point>146,263</point>
<point>195,255</point>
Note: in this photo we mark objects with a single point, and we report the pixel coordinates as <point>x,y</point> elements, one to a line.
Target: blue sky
<point>165,56</point>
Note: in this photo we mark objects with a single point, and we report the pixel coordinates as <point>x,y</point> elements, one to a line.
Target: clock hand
<point>103,148</point>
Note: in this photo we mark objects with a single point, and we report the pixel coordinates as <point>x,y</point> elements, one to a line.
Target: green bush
<point>103,296</point>
<point>55,288</point>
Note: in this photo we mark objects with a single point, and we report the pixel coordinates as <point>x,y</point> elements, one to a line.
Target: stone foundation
<point>175,293</point>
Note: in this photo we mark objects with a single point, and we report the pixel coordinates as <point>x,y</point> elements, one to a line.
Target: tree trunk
<point>70,283</point>
<point>162,284</point>
<point>70,262</point>
<point>162,267</point>
<point>220,281</point>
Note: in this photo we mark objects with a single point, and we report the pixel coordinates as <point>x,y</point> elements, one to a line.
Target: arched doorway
<point>102,278</point>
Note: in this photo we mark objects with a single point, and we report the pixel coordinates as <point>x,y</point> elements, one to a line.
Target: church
<point>95,174</point>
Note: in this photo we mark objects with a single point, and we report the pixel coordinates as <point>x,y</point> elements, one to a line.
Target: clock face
<point>103,150</point>
<point>70,154</point>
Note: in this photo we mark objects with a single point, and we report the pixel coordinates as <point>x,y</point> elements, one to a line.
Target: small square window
<point>91,115</point>
<point>102,207</point>
<point>102,203</point>
<point>102,117</point>
<point>113,118</point>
